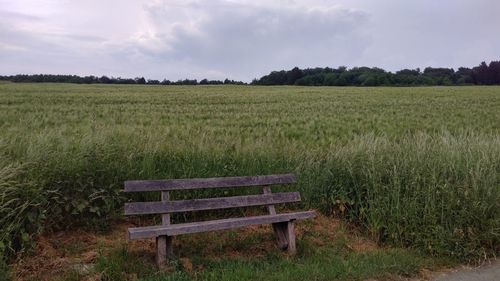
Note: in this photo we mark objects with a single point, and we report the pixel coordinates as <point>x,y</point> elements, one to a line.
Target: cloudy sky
<point>243,39</point>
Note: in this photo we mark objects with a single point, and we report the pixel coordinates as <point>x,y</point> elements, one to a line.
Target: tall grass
<point>430,186</point>
<point>440,193</point>
<point>22,209</point>
<point>437,193</point>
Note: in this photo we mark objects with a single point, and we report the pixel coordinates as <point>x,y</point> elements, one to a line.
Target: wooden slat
<point>182,184</point>
<point>177,229</point>
<point>161,207</point>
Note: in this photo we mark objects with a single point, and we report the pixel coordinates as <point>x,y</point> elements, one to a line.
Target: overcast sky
<point>242,40</point>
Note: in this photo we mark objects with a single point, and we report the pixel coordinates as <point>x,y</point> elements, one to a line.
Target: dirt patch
<point>361,244</point>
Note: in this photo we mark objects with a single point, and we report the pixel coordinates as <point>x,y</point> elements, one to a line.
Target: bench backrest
<point>166,206</point>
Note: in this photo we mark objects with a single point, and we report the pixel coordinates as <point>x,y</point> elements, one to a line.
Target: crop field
<point>416,168</point>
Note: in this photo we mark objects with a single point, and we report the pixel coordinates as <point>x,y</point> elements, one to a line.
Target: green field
<point>412,167</point>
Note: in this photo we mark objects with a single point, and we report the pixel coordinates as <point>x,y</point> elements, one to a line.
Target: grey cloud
<point>432,33</point>
<point>241,39</point>
<point>27,47</point>
<point>9,15</point>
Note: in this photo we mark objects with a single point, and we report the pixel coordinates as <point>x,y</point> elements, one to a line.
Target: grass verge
<point>327,250</point>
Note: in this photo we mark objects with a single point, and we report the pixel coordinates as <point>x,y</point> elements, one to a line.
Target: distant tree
<point>216,82</point>
<point>406,77</point>
<point>440,76</point>
<point>293,75</point>
<point>409,72</point>
<point>483,74</point>
<point>341,69</point>
<point>105,80</point>
<point>494,70</point>
<point>274,78</point>
<point>330,79</point>
<point>186,82</point>
<point>368,79</point>
<point>89,80</point>
<point>464,76</point>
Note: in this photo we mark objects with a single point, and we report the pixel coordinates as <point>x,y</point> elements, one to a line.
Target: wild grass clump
<point>439,194</point>
<point>5,273</point>
<point>22,209</point>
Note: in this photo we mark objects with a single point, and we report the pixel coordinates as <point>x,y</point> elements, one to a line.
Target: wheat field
<point>413,167</point>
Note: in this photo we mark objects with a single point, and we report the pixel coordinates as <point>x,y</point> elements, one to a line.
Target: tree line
<point>55,78</point>
<point>483,74</point>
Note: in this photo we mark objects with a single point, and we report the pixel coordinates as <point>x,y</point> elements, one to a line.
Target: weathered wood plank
<point>182,184</point>
<point>169,243</point>
<point>280,233</point>
<point>142,208</point>
<point>177,229</point>
<point>161,250</point>
<point>290,237</point>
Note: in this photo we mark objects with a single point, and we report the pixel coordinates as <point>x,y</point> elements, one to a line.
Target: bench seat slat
<point>184,228</point>
<point>183,184</point>
<point>162,207</point>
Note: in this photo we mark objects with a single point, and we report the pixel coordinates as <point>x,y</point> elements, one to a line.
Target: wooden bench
<point>283,224</point>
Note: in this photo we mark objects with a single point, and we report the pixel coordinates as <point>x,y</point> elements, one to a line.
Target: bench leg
<point>290,237</point>
<point>285,236</point>
<point>164,249</point>
<point>280,232</point>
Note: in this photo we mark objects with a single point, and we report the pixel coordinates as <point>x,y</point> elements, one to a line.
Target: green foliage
<point>415,167</point>
<point>22,209</point>
<point>5,274</point>
<point>483,74</point>
<point>364,76</point>
<point>51,78</point>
